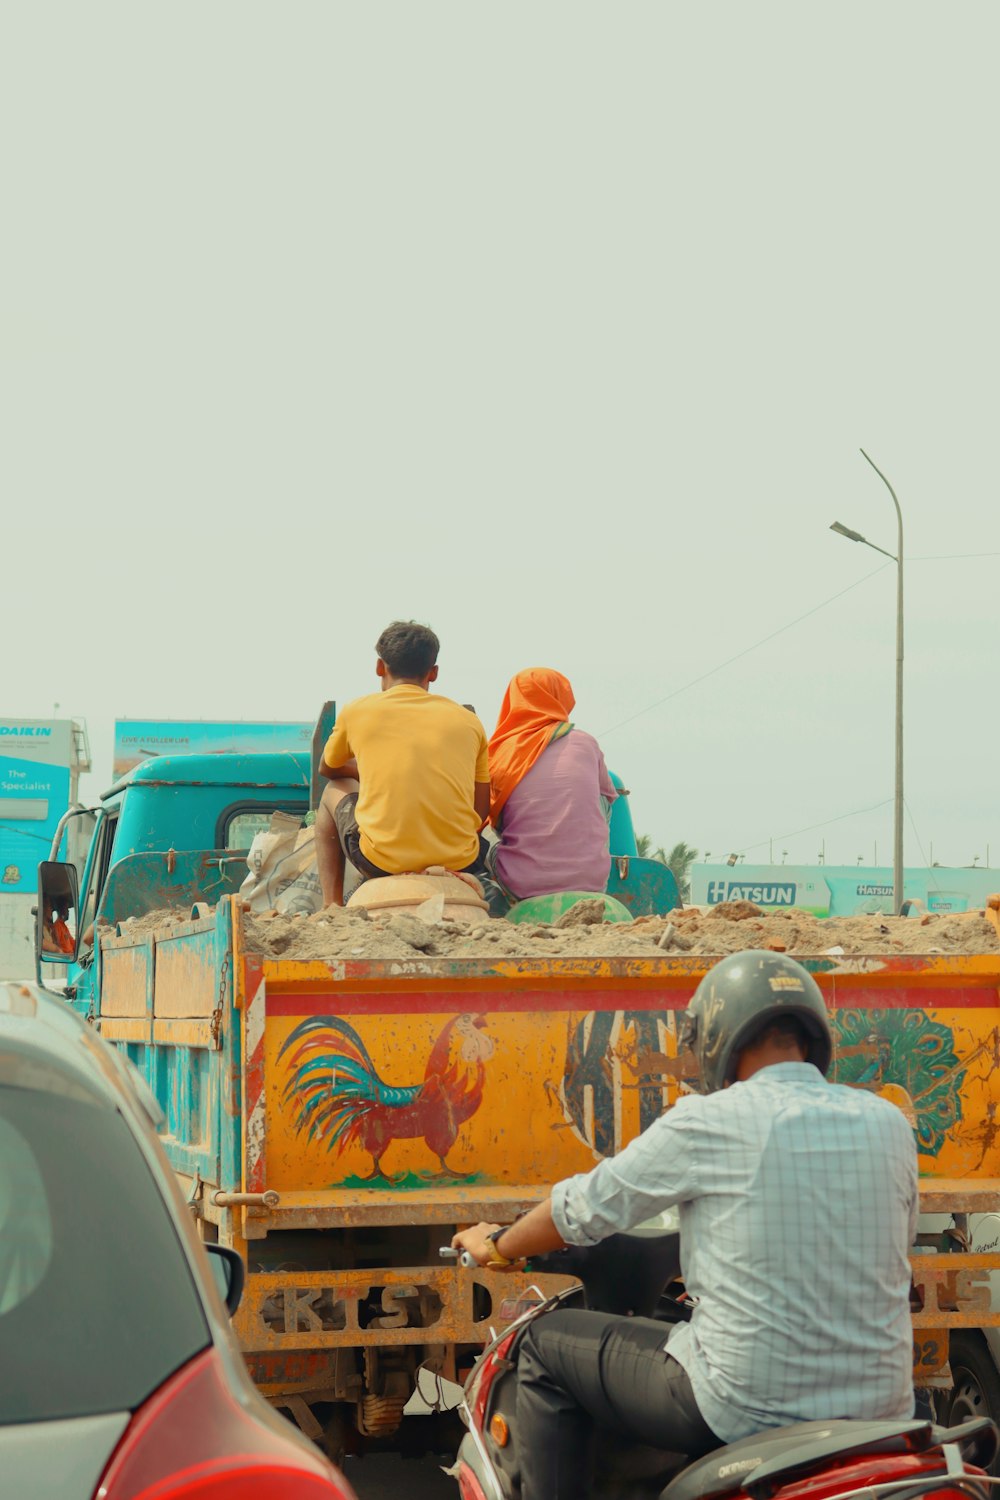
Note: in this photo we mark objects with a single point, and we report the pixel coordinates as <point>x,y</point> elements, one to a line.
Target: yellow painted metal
<point>125,982</point>
<point>124,1029</point>
<point>840,978</point>
<point>184,1033</point>
<point>544,1115</point>
<point>186,981</point>
<point>519,1135</point>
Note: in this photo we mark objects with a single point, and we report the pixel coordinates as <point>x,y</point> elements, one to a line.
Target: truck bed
<point>387,1101</point>
<point>550,1061</point>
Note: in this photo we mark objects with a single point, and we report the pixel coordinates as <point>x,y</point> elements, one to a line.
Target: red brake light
<point>487,1372</point>
<point>259,1483</point>
<point>864,1471</point>
<point>192,1440</point>
<point>468,1485</point>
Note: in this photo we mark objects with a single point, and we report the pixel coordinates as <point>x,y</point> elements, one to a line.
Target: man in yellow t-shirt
<point>408,771</point>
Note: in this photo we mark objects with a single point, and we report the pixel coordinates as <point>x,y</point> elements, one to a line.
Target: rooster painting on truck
<point>338,1098</point>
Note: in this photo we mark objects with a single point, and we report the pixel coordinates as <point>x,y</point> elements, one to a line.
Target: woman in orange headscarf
<point>550,792</point>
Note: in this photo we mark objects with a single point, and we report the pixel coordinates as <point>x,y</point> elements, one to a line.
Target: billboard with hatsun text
<point>840,890</point>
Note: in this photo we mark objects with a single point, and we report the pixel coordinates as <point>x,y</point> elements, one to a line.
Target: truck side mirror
<point>57,935</point>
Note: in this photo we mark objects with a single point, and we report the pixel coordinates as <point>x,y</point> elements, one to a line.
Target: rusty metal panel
<point>171,879</point>
<point>126,977</point>
<point>456,1203</point>
<point>319,1310</point>
<point>949,1291</point>
<point>963,1195</point>
<point>187,980</point>
<point>360,1309</point>
<point>461,1203</point>
<point>953,1291</point>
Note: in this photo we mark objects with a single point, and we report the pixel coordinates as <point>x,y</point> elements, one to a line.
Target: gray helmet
<point>739,997</point>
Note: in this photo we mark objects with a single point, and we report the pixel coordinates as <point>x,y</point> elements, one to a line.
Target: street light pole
<point>897,557</point>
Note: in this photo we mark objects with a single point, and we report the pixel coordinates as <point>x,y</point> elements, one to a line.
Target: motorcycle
<point>638,1274</point>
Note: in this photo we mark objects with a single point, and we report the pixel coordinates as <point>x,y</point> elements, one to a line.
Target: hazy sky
<point>556,326</point>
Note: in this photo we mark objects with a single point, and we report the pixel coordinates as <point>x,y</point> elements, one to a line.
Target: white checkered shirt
<point>798,1205</point>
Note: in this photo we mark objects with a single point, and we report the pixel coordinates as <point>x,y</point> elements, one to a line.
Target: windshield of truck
<point>240,825</point>
<point>97,1302</point>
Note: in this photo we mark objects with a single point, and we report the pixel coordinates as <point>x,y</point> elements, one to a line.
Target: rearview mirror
<point>57,937</point>
<point>229,1274</point>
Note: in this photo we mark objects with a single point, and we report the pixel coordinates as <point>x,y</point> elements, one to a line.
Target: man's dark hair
<point>408,649</point>
<point>787,1031</point>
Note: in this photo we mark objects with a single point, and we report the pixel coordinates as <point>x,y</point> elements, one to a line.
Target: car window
<point>26,1238</point>
<point>97,1302</point>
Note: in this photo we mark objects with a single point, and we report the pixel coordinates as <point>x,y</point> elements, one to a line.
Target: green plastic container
<point>549,908</point>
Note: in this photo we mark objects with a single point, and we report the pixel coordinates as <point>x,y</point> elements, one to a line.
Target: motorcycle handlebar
<point>448,1252</point>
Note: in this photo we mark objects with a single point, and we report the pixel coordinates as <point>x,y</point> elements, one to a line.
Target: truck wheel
<point>976,1384</point>
<point>339,1434</point>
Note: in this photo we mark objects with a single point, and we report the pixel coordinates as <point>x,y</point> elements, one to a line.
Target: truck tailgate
<point>431,1091</point>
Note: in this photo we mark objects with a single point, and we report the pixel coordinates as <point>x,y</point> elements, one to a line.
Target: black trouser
<point>578,1369</point>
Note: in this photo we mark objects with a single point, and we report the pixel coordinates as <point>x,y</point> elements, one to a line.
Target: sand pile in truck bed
<point>352,934</point>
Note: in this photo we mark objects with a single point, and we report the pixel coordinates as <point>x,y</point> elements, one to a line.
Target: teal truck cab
<point>172,833</point>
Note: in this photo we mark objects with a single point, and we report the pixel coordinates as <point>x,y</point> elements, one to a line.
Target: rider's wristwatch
<point>496,1259</point>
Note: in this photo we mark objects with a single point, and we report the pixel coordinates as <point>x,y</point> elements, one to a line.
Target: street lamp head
<point>852,536</point>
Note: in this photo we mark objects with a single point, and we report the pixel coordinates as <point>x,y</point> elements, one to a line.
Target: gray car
<point>119,1375</point>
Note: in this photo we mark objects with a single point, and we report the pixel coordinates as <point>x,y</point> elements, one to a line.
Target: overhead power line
<point>811,827</point>
<point>949,556</point>
<point>26,833</point>
<point>740,654</point>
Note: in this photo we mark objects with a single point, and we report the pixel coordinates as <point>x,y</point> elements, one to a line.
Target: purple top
<point>554,829</point>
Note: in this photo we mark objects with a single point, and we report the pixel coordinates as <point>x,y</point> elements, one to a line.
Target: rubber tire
<point>339,1434</point>
<point>976,1384</point>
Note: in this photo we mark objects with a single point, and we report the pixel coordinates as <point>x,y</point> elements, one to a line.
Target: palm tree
<point>679,860</point>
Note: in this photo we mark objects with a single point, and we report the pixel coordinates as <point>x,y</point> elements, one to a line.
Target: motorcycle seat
<point>763,1463</point>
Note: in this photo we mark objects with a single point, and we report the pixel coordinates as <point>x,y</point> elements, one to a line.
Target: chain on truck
<point>335,1119</point>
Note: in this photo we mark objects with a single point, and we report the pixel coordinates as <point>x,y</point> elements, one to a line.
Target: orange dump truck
<point>336,1119</point>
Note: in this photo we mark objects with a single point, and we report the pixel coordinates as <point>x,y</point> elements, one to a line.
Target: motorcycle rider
<point>798,1206</point>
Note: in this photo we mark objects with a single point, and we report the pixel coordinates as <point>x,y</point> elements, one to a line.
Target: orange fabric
<point>62,935</point>
<point>535,711</point>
